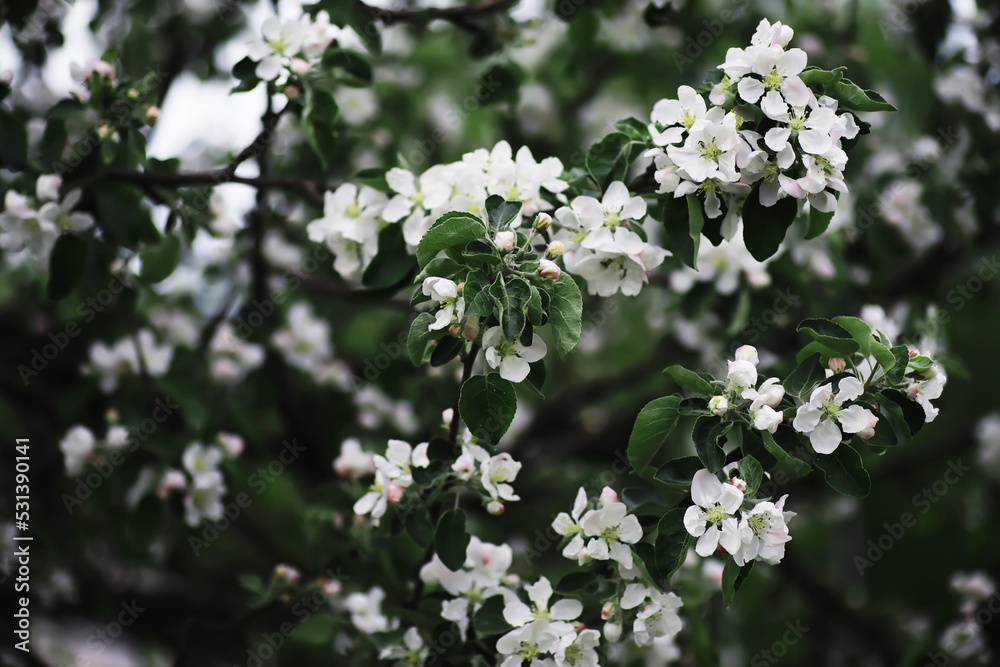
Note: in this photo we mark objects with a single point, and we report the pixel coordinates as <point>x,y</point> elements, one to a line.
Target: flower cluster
<point>601,245</point>
<point>489,476</point>
<point>133,354</point>
<point>601,533</point>
<point>79,446</point>
<point>291,45</point>
<point>392,475</point>
<point>483,575</point>
<point>703,149</point>
<point>305,344</point>
<point>35,223</point>
<point>722,516</point>
<point>742,386</point>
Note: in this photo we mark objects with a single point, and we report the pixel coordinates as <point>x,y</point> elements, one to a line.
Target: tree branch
<point>458,16</point>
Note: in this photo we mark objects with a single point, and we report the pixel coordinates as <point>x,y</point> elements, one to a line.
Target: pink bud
<point>913,389</point>
<point>869,431</point>
<point>288,573</point>
<point>543,221</point>
<point>608,609</point>
<point>495,508</point>
<point>152,114</point>
<point>504,241</point>
<point>395,493</point>
<point>299,66</point>
<point>608,496</point>
<point>836,364</point>
<point>738,483</point>
<point>332,587</point>
<point>554,249</point>
<point>549,269</point>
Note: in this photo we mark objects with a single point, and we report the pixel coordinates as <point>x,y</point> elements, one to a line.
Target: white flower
<point>77,446</point>
<point>366,611</point>
<point>929,390</point>
<point>415,198</point>
<point>741,374</point>
<point>231,443</point>
<point>414,653</point>
<point>676,116</point>
<point>204,498</point>
<point>769,394</point>
<point>819,417</point>
<point>352,219</point>
<point>117,437</point>
<point>578,650</point>
<point>511,358</point>
<point>47,187</point>
<point>527,643</point>
<point>518,613</point>
<point>607,273</point>
<point>353,462</point>
<point>710,150</point>
<point>779,70</point>
<point>231,357</point>
<point>199,459</point>
<point>658,618</point>
<point>305,342</point>
<point>282,39</point>
<point>444,292</point>
<point>767,418</point>
<point>496,472</point>
<point>710,518</point>
<point>763,533</point>
<point>611,530</point>
<point>572,526</point>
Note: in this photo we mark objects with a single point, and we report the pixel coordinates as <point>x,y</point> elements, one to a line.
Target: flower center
<point>527,650</point>
<point>573,653</point>
<point>773,80</point>
<point>540,612</point>
<point>758,523</point>
<point>715,514</point>
<point>709,151</point>
<point>687,120</point>
<point>353,210</point>
<point>610,534</point>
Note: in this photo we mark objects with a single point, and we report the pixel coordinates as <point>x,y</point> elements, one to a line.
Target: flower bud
<point>231,443</point>
<point>913,389</point>
<point>292,92</point>
<point>105,132</point>
<point>579,627</point>
<point>456,329</point>
<point>287,573</point>
<point>447,416</point>
<point>836,364</point>
<point>504,241</point>
<point>928,373</point>
<point>554,249</point>
<point>608,496</point>
<point>332,587</point>
<point>171,480</point>
<point>747,353</point>
<point>612,632</point>
<point>460,287</point>
<point>869,431</point>
<point>549,269</point>
<point>299,66</point>
<point>511,580</point>
<point>738,483</point>
<point>395,493</point>
<point>542,222</point>
<point>609,609</point>
<point>132,94</point>
<point>495,508</point>
<point>718,405</point>
<point>152,114</point>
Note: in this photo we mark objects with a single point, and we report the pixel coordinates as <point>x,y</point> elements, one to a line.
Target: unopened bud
<point>104,132</point>
<point>287,573</point>
<point>495,508</point>
<point>608,496</point>
<point>836,364</point>
<point>913,389</point>
<point>152,114</point>
<point>612,632</point>
<point>609,609</point>
<point>549,269</point>
<point>555,249</point>
<point>231,443</point>
<point>299,66</point>
<point>718,404</point>
<point>332,587</point>
<point>738,483</point>
<point>511,580</point>
<point>542,222</point>
<point>395,493</point>
<point>747,353</point>
<point>112,416</point>
<point>132,94</point>
<point>928,373</point>
<point>504,241</point>
<point>292,92</point>
<point>456,329</point>
<point>460,287</point>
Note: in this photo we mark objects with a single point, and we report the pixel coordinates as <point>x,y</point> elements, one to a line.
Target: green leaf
<point>851,96</point>
<point>501,83</point>
<point>451,229</point>
<point>690,379</point>
<point>373,178</point>
<point>844,471</point>
<point>577,582</point>
<point>815,76</point>
<point>830,334</point>
<point>511,299</point>
<point>679,472</point>
<point>683,228</point>
<point>478,302</point>
<point>913,415</point>
<point>609,159</point>
<point>13,142</point>
<point>67,264</point>
<point>443,267</point>
<point>320,115</point>
<point>733,577</point>
<point>481,252</point>
<point>654,423</point>
<point>316,629</point>
<point>764,227</point>
<point>447,349</point>
<point>672,542</point>
<point>451,540</point>
<point>500,213</point>
<point>489,619</point>
<point>419,526</point>
<point>565,312</point>
<point>250,582</point>
<point>53,142</point>
<point>245,71</point>
<point>487,403</point>
<point>355,70</point>
<point>121,215</point>
<point>536,312</point>
<point>867,343</point>
<point>706,434</point>
<point>416,341</point>
<point>776,450</point>
<point>392,265</point>
<point>901,358</point>
<point>818,222</point>
<point>635,129</point>
<point>159,261</point>
<point>752,473</point>
<point>536,376</point>
<point>805,376</point>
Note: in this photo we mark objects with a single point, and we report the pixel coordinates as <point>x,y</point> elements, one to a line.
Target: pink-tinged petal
<point>854,419</point>
<point>705,488</point>
<point>580,503</point>
<point>826,437</point>
<point>598,549</point>
<point>707,543</point>
<point>796,93</point>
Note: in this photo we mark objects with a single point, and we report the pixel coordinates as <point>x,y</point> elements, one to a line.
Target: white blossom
<point>511,358</point>
<point>77,446</point>
<point>820,416</point>
<point>711,518</point>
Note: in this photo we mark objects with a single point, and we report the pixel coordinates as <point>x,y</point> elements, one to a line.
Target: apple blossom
<point>718,405</point>
<point>504,241</point>
<point>496,472</point>
<point>77,446</point>
<point>518,613</point>
<point>353,462</point>
<point>549,269</point>
<point>511,358</point>
<point>204,498</point>
<point>446,293</point>
<point>658,618</point>
<point>611,530</point>
<point>413,651</point>
<point>710,518</point>
<point>530,643</point>
<point>766,418</point>
<point>763,533</point>
<point>820,416</point>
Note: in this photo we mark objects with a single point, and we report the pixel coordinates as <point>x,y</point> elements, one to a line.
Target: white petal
<point>826,437</point>
<point>705,488</point>
<point>566,610</point>
<point>853,419</point>
<point>517,613</point>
